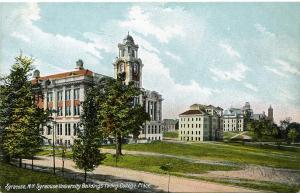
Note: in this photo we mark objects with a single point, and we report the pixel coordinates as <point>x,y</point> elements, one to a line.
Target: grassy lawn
<point>18,176</point>
<point>171,134</point>
<point>153,163</point>
<point>259,185</point>
<point>228,134</point>
<point>237,153</point>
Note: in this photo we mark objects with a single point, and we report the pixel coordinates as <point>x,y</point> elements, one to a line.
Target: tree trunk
<point>32,163</point>
<point>20,162</point>
<point>119,145</point>
<point>84,175</point>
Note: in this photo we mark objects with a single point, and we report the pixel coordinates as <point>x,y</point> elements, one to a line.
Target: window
<point>76,110</point>
<point>48,130</point>
<point>50,97</point>
<point>76,94</point>
<point>59,129</point>
<point>59,111</point>
<point>68,111</point>
<point>59,96</point>
<point>74,129</point>
<point>68,95</point>
<point>67,129</point>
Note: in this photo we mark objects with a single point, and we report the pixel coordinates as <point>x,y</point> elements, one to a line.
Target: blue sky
<point>213,53</point>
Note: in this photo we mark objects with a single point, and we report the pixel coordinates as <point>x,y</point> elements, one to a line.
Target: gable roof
<point>193,112</point>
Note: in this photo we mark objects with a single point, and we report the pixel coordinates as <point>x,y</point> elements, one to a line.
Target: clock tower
<point>128,62</point>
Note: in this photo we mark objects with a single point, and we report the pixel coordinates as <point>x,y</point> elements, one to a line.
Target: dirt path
<point>177,184</point>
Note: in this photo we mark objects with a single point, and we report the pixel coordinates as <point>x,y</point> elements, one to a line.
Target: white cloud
<point>237,73</point>
<point>143,22</point>
<point>51,48</point>
<point>263,30</point>
<point>287,67</point>
<point>230,51</point>
<point>251,86</point>
<point>283,68</point>
<point>174,57</point>
<point>275,71</point>
<point>21,36</point>
<point>157,77</point>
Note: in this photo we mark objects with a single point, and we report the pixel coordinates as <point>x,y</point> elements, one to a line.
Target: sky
<point>222,54</point>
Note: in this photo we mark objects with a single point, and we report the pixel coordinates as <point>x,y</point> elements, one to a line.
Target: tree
<point>296,126</point>
<point>86,153</point>
<point>20,118</point>
<point>261,128</point>
<point>292,134</point>
<point>120,114</point>
<point>247,119</point>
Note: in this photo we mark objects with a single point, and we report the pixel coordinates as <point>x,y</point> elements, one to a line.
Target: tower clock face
<point>135,68</point>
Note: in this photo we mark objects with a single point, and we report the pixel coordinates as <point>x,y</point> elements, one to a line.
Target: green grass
<point>237,153</point>
<point>171,134</point>
<point>153,163</point>
<point>252,184</point>
<point>228,134</point>
<point>18,176</point>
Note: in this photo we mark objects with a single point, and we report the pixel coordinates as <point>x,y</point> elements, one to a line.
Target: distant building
<point>270,113</point>
<point>170,124</point>
<point>233,119</point>
<point>259,116</point>
<point>247,109</point>
<point>201,123</point>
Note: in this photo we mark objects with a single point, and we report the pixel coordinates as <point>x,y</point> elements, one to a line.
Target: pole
<point>53,148</point>
<point>116,151</point>
<point>169,183</point>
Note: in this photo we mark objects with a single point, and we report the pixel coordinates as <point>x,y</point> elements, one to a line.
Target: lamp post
<point>53,143</point>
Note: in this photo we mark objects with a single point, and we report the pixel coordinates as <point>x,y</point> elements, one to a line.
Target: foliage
<point>296,126</point>
<point>20,117</point>
<point>120,114</point>
<point>292,134</point>
<point>86,153</point>
<point>171,134</point>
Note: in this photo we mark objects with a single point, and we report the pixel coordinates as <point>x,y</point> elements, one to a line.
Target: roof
<point>67,74</point>
<point>192,112</point>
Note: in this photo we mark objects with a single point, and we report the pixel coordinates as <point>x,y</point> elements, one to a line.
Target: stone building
<point>129,63</point>
<point>233,119</point>
<point>64,92</point>
<point>201,123</point>
<point>170,125</point>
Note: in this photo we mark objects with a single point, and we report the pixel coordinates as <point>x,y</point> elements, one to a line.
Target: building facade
<point>170,125</point>
<point>233,120</point>
<point>201,123</point>
<point>129,63</point>
<point>64,93</point>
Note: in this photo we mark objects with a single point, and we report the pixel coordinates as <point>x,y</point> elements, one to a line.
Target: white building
<point>64,92</point>
<point>201,123</point>
<point>233,120</point>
